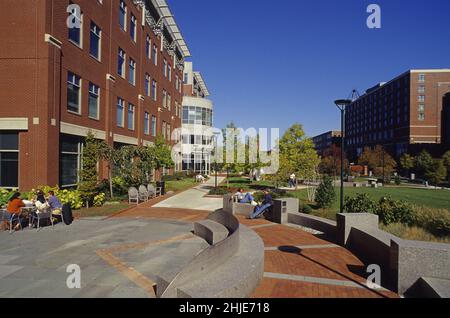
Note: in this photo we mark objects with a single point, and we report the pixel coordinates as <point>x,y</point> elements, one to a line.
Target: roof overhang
<point>201,82</point>
<point>164,11</point>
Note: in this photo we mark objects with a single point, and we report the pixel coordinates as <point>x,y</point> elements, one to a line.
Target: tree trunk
<point>110,183</point>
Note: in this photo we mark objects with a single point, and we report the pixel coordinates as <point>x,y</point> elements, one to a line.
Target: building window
<point>9,159</point>
<point>132,72</point>
<point>176,82</point>
<point>130,117</point>
<point>121,63</point>
<point>148,45</point>
<point>169,72</point>
<point>421,78</point>
<point>197,116</point>
<point>164,98</point>
<point>155,54</point>
<point>147,84</point>
<point>146,123</point>
<point>123,15</point>
<point>185,80</point>
<point>95,47</point>
<point>421,110</point>
<point>94,101</point>
<point>421,98</point>
<point>70,160</point>
<point>421,89</point>
<point>165,68</point>
<point>164,127</point>
<point>73,93</point>
<point>154,126</point>
<point>169,101</point>
<point>154,89</point>
<point>75,33</point>
<point>133,28</point>
<point>120,112</point>
<point>169,128</point>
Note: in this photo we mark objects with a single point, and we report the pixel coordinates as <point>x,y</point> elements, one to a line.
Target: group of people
<point>43,204</point>
<point>248,198</point>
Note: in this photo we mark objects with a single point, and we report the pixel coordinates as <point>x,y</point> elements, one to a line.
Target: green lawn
<point>180,185</point>
<point>246,184</point>
<point>426,197</point>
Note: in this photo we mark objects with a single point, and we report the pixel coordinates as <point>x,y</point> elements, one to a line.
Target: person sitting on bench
<point>244,198</point>
<point>261,208</point>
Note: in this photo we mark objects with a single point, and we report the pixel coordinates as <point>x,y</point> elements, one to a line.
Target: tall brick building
<point>407,114</point>
<point>119,75</point>
<point>325,143</point>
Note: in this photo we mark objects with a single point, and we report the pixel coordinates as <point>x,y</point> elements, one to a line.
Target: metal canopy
<point>201,82</point>
<point>166,14</point>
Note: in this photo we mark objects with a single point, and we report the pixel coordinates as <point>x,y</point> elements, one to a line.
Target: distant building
<point>406,114</point>
<point>197,122</point>
<point>325,143</point>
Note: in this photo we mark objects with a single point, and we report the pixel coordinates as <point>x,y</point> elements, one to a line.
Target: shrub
<point>394,211</point>
<point>325,194</point>
<point>99,199</point>
<point>361,203</point>
<point>435,221</point>
<point>306,209</point>
<point>218,191</point>
<point>397,180</point>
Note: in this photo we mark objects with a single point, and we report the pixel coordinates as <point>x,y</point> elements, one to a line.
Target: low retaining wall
<point>235,208</point>
<point>402,262</point>
<point>231,268</point>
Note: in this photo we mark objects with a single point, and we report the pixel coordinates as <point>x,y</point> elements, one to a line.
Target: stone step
<point>211,231</point>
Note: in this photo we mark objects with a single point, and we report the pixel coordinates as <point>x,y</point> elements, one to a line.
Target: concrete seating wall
<point>233,267</point>
<point>236,208</point>
<point>404,263</point>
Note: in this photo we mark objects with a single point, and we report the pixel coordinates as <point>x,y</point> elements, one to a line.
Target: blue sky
<point>272,63</point>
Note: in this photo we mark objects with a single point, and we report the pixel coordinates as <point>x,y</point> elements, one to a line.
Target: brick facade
<point>33,80</point>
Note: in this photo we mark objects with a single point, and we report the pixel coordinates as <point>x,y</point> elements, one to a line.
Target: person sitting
<point>267,203</point>
<point>292,181</point>
<point>243,198</point>
<point>42,205</point>
<point>54,203</point>
<point>15,203</point>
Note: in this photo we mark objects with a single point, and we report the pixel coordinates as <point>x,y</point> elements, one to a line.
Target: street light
<point>342,105</point>
<point>215,157</point>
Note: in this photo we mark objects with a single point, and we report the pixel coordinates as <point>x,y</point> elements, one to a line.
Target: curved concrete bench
<point>211,231</point>
<point>236,208</point>
<point>231,268</point>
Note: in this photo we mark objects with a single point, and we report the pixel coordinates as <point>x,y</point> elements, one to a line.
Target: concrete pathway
<point>194,199</point>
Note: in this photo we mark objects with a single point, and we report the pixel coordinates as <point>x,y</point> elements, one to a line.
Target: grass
<point>246,184</point>
<point>180,185</point>
<point>412,233</point>
<point>106,210</point>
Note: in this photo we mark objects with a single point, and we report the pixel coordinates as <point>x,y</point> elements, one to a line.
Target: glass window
<point>148,45</point>
<point>421,98</point>
<point>9,159</point>
<point>133,28</point>
<point>169,72</point>
<point>169,101</point>
<point>130,117</point>
<point>120,112</point>
<point>147,85</point>
<point>95,41</point>
<point>132,72</point>
<point>153,126</point>
<point>121,63</point>
<point>421,78</point>
<point>75,33</point>
<point>421,89</point>
<point>147,123</point>
<point>70,160</point>
<point>123,15</point>
<point>169,136</point>
<point>155,55</point>
<point>164,129</point>
<point>164,98</point>
<point>73,93</point>
<point>165,68</point>
<point>94,98</point>
<point>154,89</point>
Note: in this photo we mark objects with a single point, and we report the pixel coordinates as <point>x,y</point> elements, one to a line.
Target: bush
<point>397,180</point>
<point>325,194</point>
<point>361,203</point>
<point>305,209</point>
<point>218,191</point>
<point>435,221</point>
<point>99,199</point>
<point>393,211</point>
<point>72,197</point>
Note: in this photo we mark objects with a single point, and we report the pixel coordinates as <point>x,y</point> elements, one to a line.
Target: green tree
<point>88,174</point>
<point>112,158</point>
<point>406,162</point>
<point>423,163</point>
<point>296,155</point>
<point>446,160</point>
<point>325,194</point>
<point>379,161</point>
<point>159,155</point>
<point>437,172</point>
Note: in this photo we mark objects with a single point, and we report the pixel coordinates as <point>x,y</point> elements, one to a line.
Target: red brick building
<point>406,114</point>
<point>119,75</point>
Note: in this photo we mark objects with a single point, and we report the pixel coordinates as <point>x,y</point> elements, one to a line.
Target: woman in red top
<point>14,205</point>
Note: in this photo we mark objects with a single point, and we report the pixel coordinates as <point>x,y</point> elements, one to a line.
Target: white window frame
<point>121,103</point>
<point>131,108</point>
<point>132,70</point>
<point>96,92</point>
<point>134,29</point>
<point>147,122</point>
<point>123,5</point>
<point>124,57</point>
<point>99,36</point>
<point>80,88</point>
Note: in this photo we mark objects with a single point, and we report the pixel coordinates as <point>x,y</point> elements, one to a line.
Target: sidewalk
<point>194,199</point>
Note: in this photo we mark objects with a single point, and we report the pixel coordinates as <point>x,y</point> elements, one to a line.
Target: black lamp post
<point>342,105</point>
<point>215,158</point>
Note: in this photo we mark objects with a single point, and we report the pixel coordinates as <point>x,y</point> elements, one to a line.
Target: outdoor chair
<point>133,195</point>
<point>143,193</point>
<point>11,219</point>
<point>42,216</point>
<point>154,192</point>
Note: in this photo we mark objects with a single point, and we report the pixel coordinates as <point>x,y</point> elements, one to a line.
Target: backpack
<point>67,214</point>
